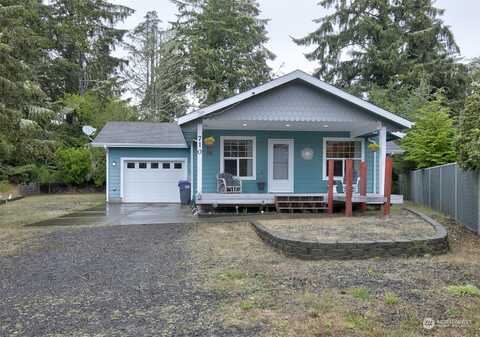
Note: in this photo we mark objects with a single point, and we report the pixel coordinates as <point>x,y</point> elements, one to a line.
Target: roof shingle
<point>144,134</point>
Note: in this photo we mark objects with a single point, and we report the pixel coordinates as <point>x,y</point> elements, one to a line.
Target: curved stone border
<point>313,250</point>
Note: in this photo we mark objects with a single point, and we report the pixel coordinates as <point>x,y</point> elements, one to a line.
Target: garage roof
<point>140,134</point>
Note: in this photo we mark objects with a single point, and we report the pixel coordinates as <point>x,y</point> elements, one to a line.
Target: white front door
<point>280,165</point>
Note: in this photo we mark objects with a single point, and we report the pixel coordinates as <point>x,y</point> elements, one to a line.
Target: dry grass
<point>400,225</point>
<point>16,214</point>
<point>268,294</point>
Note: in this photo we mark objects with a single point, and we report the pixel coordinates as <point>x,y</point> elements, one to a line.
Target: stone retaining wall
<point>312,250</point>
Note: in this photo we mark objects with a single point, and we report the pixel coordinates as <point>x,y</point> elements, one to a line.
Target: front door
<point>280,165</point>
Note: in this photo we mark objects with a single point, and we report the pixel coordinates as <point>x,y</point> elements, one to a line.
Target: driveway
<point>144,214</point>
<point>110,280</point>
<point>126,214</point>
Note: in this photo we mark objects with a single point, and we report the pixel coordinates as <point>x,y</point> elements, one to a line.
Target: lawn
<point>268,294</point>
<point>14,215</point>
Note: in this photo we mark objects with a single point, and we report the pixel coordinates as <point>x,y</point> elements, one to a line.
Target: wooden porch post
<point>363,185</point>
<point>388,185</point>
<point>348,186</point>
<point>330,186</point>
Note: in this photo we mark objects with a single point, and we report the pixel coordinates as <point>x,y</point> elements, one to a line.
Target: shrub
<point>98,167</point>
<point>44,175</point>
<point>22,174</point>
<point>74,165</point>
<point>4,186</point>
<point>431,141</point>
<point>464,290</point>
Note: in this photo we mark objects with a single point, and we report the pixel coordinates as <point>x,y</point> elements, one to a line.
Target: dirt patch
<point>401,225</point>
<point>269,294</point>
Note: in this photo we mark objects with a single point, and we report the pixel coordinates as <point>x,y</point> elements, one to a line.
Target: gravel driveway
<point>128,281</point>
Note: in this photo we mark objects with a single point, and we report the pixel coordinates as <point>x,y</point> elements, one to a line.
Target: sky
<point>295,18</point>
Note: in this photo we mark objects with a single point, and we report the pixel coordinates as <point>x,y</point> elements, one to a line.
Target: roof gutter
<point>174,146</point>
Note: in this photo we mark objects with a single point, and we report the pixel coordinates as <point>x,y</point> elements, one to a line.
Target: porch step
<point>302,203</point>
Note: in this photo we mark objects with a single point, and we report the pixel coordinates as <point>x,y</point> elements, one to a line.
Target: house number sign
<point>199,144</point>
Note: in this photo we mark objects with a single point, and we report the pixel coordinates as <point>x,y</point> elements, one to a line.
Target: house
<point>276,139</point>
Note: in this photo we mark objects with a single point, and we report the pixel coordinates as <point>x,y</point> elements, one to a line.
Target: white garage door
<point>152,181</point>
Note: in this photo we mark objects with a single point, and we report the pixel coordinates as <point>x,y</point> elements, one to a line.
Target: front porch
<point>302,202</point>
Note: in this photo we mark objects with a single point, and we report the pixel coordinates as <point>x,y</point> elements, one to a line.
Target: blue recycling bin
<point>185,191</point>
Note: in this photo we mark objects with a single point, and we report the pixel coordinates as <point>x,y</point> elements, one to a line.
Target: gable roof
<point>140,134</point>
<point>296,75</point>
<point>393,148</point>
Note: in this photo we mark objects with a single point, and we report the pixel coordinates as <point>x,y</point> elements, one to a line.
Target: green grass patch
<point>356,321</point>
<point>390,298</point>
<point>361,293</point>
<point>464,290</point>
<point>231,275</point>
<point>317,304</point>
<point>43,207</point>
<point>247,305</point>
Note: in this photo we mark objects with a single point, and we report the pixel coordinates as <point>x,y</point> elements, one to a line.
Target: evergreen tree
<point>468,140</point>
<point>84,37</point>
<point>405,101</point>
<point>25,118</point>
<point>156,71</point>
<point>431,140</point>
<point>380,43</point>
<point>224,45</point>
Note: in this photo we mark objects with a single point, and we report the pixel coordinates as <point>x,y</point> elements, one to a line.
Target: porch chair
<point>355,183</point>
<point>226,183</point>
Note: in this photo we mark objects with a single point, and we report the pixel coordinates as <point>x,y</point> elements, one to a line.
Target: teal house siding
<point>308,174</point>
<point>117,153</point>
<point>372,169</point>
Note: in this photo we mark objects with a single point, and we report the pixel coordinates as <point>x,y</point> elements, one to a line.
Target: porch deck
<point>269,198</point>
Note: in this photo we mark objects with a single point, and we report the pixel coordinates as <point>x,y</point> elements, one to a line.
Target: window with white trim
<point>238,156</point>
<point>341,150</point>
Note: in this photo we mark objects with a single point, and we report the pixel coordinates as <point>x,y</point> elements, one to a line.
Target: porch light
<point>307,153</point>
<point>114,163</point>
<point>325,125</point>
<point>287,125</point>
<point>245,124</point>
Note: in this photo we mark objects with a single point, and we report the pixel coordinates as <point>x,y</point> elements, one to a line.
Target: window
<point>142,165</point>
<point>166,165</point>
<point>131,165</point>
<point>177,165</point>
<point>339,150</point>
<point>154,165</point>
<point>238,156</point>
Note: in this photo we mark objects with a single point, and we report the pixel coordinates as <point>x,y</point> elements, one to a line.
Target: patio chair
<point>226,183</point>
<point>355,184</point>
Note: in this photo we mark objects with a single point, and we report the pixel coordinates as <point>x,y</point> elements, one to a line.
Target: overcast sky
<point>294,18</point>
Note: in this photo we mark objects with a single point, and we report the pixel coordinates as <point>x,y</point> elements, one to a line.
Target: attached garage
<point>152,180</point>
<point>145,161</point>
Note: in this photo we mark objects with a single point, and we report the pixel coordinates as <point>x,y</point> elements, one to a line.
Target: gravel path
<point>128,281</point>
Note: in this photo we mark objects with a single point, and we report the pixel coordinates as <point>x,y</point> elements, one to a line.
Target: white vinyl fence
<point>447,189</point>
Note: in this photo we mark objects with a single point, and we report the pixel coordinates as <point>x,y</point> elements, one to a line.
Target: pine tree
<point>24,114</point>
<point>224,46</point>
<point>84,36</point>
<point>368,43</point>
<point>156,71</point>
<point>468,140</point>
<point>431,141</point>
